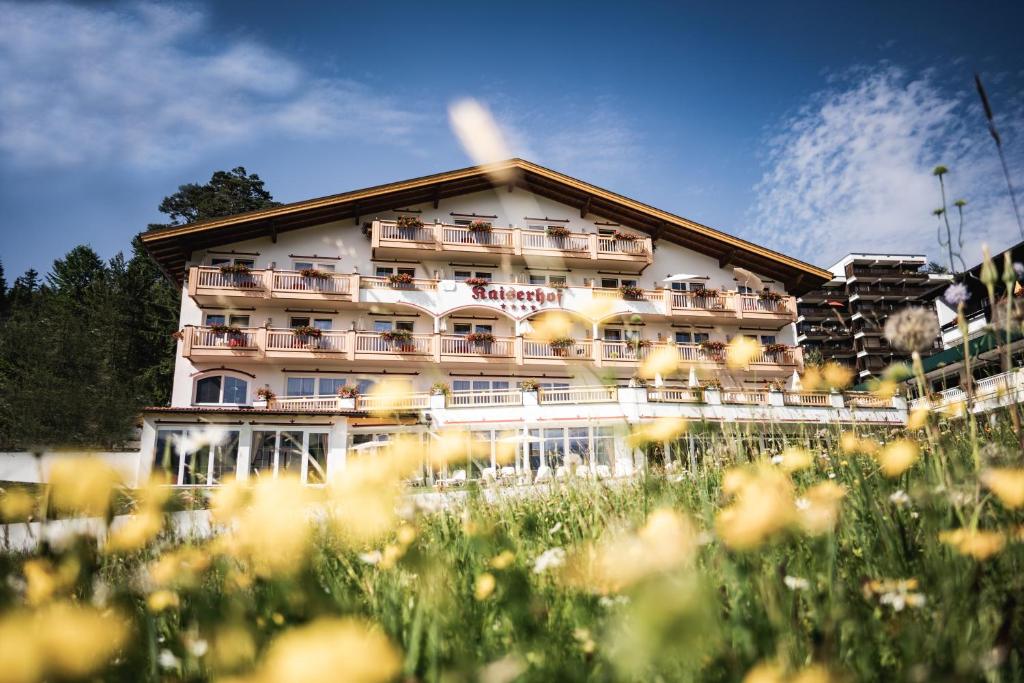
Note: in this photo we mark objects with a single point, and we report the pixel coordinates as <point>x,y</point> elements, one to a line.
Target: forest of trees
<point>85,347</point>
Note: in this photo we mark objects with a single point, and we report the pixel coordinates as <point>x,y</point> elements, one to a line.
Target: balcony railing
<point>511,240</point>
<point>502,398</point>
<point>582,349</point>
<point>329,341</point>
<point>210,281</point>
<point>457,345</point>
<point>373,282</point>
<point>375,343</point>
<point>698,301</point>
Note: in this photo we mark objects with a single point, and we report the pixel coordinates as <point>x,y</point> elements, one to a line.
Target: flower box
<point>631,293</point>
<point>529,385</point>
<point>348,391</point>
<point>477,281</point>
<point>561,345</point>
<point>480,337</point>
<point>771,297</point>
<point>314,274</point>
<point>265,394</point>
<point>400,279</point>
<point>479,227</point>
<point>440,389</point>
<point>557,231</point>
<point>235,269</point>
<point>225,329</point>
<point>308,331</point>
<point>638,343</point>
<point>397,336</point>
<point>236,342</point>
<point>713,350</point>
<point>408,222</point>
<point>625,236</point>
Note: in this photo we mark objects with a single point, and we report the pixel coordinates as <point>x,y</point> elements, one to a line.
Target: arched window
<point>221,389</point>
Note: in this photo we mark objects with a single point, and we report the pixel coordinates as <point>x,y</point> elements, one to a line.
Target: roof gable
<point>171,247</point>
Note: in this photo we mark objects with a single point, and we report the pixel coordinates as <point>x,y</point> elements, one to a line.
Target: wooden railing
<point>304,403</point>
<point>206,338</point>
<point>698,301</point>
<point>610,245</point>
<point>867,400</point>
<point>287,340</point>
<point>675,394</point>
<point>806,398</point>
<point>583,349</point>
<point>788,357</point>
<point>595,394</point>
<point>212,277</point>
<point>458,345</point>
<point>373,342</point>
<point>754,303</point>
<point>613,350</point>
<point>373,282</point>
<point>745,396</point>
<point>330,283</point>
<point>644,295</point>
<point>391,231</point>
<point>499,397</point>
<point>541,241</point>
<point>386,403</point>
<point>458,235</point>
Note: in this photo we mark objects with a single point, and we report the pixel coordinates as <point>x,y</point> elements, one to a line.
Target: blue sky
<point>809,127</point>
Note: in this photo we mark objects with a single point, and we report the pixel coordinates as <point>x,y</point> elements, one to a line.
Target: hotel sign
<point>518,298</point>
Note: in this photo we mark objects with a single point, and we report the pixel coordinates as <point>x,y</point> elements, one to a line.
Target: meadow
<point>891,556</point>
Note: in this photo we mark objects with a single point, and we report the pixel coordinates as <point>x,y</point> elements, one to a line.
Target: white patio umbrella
<point>693,382</point>
<point>682,277</point>
<point>794,382</point>
<point>749,279</point>
<point>658,380</point>
<point>520,438</point>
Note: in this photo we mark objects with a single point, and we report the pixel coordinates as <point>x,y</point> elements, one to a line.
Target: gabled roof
<point>171,247</point>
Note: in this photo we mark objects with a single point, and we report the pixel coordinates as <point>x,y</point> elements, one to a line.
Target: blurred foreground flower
<point>83,485</point>
<point>666,542</point>
<point>659,430</point>
<point>61,640</point>
<point>1007,483</point>
<point>330,650</point>
<point>912,329</point>
<point>364,496</point>
<point>793,459</point>
<point>741,351</point>
<point>818,508</point>
<point>897,457</point>
<point>484,586</point>
<point>975,543</point>
<point>763,505</point>
<point>767,672</point>
<point>16,505</point>
<point>663,361</point>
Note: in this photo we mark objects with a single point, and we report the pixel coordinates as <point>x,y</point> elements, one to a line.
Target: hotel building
<point>457,280</point>
<point>843,320</point>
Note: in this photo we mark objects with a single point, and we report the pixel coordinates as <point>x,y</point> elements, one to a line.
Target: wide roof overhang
<point>172,247</point>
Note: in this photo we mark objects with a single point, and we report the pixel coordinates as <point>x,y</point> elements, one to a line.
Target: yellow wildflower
<point>182,567</point>
<point>917,419</point>
<point>897,457</point>
<point>135,532</point>
<point>1007,483</point>
<point>77,640</point>
<point>763,506</point>
<point>162,599</point>
<point>485,584</point>
<point>83,485</point>
<point>818,508</point>
<point>46,580</point>
<point>659,430</point>
<point>765,673</point>
<point>975,543</point>
<point>503,560</point>
<point>330,650</point>
<point>233,648</point>
<point>741,351</point>
<point>663,361</point>
<point>794,458</point>
<point>23,659</point>
<point>836,376</point>
<point>16,505</point>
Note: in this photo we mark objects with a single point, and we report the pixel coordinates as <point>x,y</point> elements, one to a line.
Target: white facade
<point>238,337</point>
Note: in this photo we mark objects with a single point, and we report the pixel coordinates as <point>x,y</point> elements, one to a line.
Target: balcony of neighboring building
<point>629,252</point>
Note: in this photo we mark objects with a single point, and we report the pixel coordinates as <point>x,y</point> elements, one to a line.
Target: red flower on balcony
<point>400,279</point>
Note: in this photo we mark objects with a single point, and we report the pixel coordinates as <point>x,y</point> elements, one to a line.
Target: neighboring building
<point>989,382</point>
<point>448,279</point>
<point>844,320</point>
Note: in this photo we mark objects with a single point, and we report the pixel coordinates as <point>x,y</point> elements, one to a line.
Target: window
<point>615,283</point>
<point>309,265</point>
<point>767,339</point>
<point>211,463</point>
<point>384,271</point>
<point>227,261</point>
<point>462,329</point>
<point>463,275</point>
<point>322,323</point>
<point>483,385</point>
<point>688,286</point>
<point>329,386</point>
<point>744,289</point>
<point>612,334</point>
<point>295,453</point>
<point>298,322</point>
<point>691,337</point>
<point>300,386</point>
<point>554,447</point>
<point>221,319</point>
<point>214,319</point>
<point>221,389</point>
<point>548,280</point>
<point>389,325</point>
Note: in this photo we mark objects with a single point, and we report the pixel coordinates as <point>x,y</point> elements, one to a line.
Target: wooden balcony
<point>733,307</point>
<point>515,244</point>
<point>209,286</point>
<point>204,344</point>
<point>459,349</point>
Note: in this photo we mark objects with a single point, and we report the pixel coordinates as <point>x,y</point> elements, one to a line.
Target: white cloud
<point>132,83</point>
<point>852,170</point>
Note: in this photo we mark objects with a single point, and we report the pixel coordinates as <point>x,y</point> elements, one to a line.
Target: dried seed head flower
<point>912,329</point>
<point>956,294</point>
